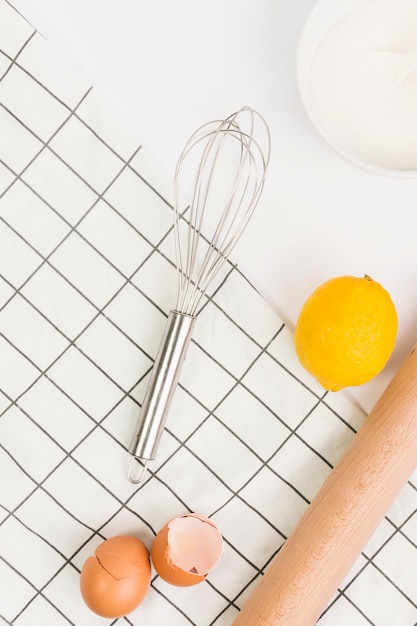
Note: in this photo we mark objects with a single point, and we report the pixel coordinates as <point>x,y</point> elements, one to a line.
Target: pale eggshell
<point>116,579</point>
<point>186,549</point>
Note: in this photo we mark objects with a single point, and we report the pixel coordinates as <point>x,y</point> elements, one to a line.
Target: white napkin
<point>87,278</point>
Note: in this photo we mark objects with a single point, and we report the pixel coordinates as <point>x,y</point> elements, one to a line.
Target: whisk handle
<point>163,380</point>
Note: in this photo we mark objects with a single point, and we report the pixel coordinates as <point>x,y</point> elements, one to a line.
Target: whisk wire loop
<point>240,189</point>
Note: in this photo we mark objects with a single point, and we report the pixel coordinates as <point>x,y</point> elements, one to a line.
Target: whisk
<point>224,163</point>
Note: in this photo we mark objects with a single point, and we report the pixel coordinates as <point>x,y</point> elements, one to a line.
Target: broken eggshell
<point>116,579</point>
<point>186,549</point>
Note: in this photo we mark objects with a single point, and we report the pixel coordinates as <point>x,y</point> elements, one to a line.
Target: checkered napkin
<point>87,277</point>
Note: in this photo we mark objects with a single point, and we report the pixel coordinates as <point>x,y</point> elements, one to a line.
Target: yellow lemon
<point>346,331</point>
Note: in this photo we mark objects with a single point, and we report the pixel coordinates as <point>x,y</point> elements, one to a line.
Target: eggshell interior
<point>194,544</point>
<point>186,549</point>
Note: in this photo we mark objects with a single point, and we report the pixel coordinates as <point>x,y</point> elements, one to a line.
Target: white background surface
<point>169,66</point>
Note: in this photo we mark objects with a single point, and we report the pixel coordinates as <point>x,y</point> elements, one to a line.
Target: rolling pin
<point>306,572</point>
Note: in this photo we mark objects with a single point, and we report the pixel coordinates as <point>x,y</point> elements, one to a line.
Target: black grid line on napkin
<point>87,275</point>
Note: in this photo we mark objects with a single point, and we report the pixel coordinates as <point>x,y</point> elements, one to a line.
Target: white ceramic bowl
<point>323,17</point>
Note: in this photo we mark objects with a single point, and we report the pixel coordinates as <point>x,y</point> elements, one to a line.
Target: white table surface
<point>167,67</point>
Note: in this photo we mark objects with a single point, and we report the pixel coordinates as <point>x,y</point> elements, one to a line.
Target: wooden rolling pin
<point>306,572</point>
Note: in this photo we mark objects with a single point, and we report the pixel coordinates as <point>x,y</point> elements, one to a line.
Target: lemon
<point>346,331</point>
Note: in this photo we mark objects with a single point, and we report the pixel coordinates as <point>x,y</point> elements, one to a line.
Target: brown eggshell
<point>186,549</point>
<point>116,579</point>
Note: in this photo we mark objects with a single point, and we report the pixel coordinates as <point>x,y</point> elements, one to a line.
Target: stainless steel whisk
<point>224,163</point>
